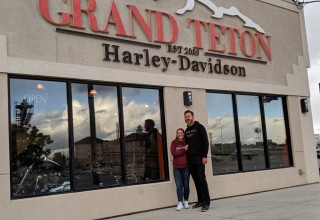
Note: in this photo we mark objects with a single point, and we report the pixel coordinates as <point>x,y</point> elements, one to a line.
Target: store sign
<point>162,28</point>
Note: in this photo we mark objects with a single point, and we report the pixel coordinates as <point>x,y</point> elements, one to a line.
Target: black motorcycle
<point>37,174</point>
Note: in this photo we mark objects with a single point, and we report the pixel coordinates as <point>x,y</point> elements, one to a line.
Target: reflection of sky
<point>51,97</point>
<point>275,121</point>
<point>221,121</point>
<point>106,111</point>
<point>220,115</point>
<point>138,105</point>
<point>249,119</point>
<point>50,107</point>
<point>144,96</point>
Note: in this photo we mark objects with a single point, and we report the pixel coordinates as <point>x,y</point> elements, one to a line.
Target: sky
<point>312,18</point>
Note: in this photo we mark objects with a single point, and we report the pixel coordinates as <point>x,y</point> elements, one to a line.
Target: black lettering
<point>146,51</point>
<point>217,67</point>
<point>108,53</point>
<point>226,69</point>
<point>138,57</point>
<point>184,62</point>
<point>203,66</point>
<point>195,66</point>
<point>166,62</point>
<point>170,49</point>
<point>242,71</point>
<point>155,61</point>
<point>210,65</point>
<point>127,57</point>
<point>234,70</point>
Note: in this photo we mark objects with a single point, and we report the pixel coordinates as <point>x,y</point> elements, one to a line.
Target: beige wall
<point>34,38</point>
<point>30,46</point>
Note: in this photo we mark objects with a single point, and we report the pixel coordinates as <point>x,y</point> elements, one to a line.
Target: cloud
<point>225,131</point>
<point>55,123</point>
<point>312,17</point>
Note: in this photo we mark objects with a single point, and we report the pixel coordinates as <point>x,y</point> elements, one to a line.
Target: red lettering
<point>215,37</point>
<point>77,10</point>
<point>266,48</point>
<point>134,13</point>
<point>232,31</point>
<point>243,44</point>
<point>44,9</point>
<point>116,20</point>
<point>174,27</point>
<point>197,28</point>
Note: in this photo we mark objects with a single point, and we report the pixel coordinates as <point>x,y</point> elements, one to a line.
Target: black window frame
<point>68,83</point>
<point>264,130</point>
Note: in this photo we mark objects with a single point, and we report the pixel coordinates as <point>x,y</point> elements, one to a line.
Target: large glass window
<point>143,134</point>
<point>39,132</point>
<point>69,136</point>
<point>222,136</point>
<point>96,135</point>
<point>276,132</point>
<point>247,132</point>
<point>251,136</point>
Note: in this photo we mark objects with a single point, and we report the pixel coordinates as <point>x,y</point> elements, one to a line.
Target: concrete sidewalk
<point>297,203</point>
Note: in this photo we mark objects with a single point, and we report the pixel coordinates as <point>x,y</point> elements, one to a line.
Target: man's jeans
<point>182,176</point>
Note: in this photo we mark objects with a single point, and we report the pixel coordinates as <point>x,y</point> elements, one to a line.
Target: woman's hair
<point>179,129</point>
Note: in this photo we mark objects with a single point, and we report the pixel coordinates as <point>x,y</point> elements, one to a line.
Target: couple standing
<point>189,151</point>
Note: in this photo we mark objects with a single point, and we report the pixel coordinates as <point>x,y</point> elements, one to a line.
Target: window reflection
<point>222,133</point>
<point>251,135</point>
<point>40,142</point>
<point>39,131</point>
<point>143,139</point>
<point>276,132</point>
<point>96,135</point>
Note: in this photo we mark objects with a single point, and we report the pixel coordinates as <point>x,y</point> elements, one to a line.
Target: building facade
<point>92,93</point>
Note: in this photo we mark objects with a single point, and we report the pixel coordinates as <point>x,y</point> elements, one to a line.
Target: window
<point>39,137</point>
<point>247,132</point>
<point>69,136</point>
<point>251,136</point>
<point>143,138</point>
<point>222,136</point>
<point>96,135</point>
<point>276,130</point>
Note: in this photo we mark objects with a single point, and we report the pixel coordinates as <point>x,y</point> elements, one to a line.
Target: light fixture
<point>304,105</point>
<point>147,106</point>
<point>301,4</point>
<point>40,86</point>
<point>92,92</point>
<point>187,98</point>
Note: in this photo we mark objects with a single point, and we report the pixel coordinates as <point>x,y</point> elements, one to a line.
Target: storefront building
<point>92,93</point>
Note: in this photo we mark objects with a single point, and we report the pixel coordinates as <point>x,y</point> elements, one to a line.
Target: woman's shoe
<point>186,204</point>
<point>179,206</point>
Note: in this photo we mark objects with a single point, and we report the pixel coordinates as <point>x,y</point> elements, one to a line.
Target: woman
<point>180,169</point>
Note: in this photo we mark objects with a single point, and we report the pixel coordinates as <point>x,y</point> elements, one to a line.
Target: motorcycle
<point>38,174</point>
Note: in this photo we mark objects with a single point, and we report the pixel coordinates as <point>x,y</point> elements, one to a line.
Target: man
<point>197,139</point>
<point>151,152</point>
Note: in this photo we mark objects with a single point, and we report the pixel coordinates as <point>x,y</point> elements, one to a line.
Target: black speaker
<point>304,105</point>
<point>187,98</point>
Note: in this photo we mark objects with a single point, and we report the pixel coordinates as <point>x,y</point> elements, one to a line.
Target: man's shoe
<point>205,208</point>
<point>197,205</point>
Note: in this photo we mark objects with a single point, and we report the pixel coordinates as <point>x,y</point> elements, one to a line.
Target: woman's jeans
<point>182,176</point>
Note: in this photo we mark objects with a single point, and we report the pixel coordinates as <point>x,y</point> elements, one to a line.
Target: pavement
<point>296,203</point>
